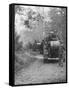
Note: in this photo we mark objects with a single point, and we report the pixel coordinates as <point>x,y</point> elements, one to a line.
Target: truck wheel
<point>61,63</point>
<point>45,60</point>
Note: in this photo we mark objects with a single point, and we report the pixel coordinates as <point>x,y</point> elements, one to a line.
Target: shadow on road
<point>50,61</point>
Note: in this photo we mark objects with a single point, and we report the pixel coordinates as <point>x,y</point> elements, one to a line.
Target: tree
<point>18,45</point>
<point>36,24</point>
<point>58,17</point>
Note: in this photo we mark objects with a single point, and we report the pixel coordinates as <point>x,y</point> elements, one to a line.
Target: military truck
<point>53,48</point>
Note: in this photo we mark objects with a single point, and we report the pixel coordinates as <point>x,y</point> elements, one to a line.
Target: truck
<point>53,49</point>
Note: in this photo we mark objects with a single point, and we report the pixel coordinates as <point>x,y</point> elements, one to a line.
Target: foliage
<point>18,45</point>
<point>58,23</point>
<point>34,23</point>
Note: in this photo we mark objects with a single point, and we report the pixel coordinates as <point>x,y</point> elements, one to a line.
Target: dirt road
<point>38,72</point>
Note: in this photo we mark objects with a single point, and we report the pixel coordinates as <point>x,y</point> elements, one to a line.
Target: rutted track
<point>38,72</point>
<point>32,56</point>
